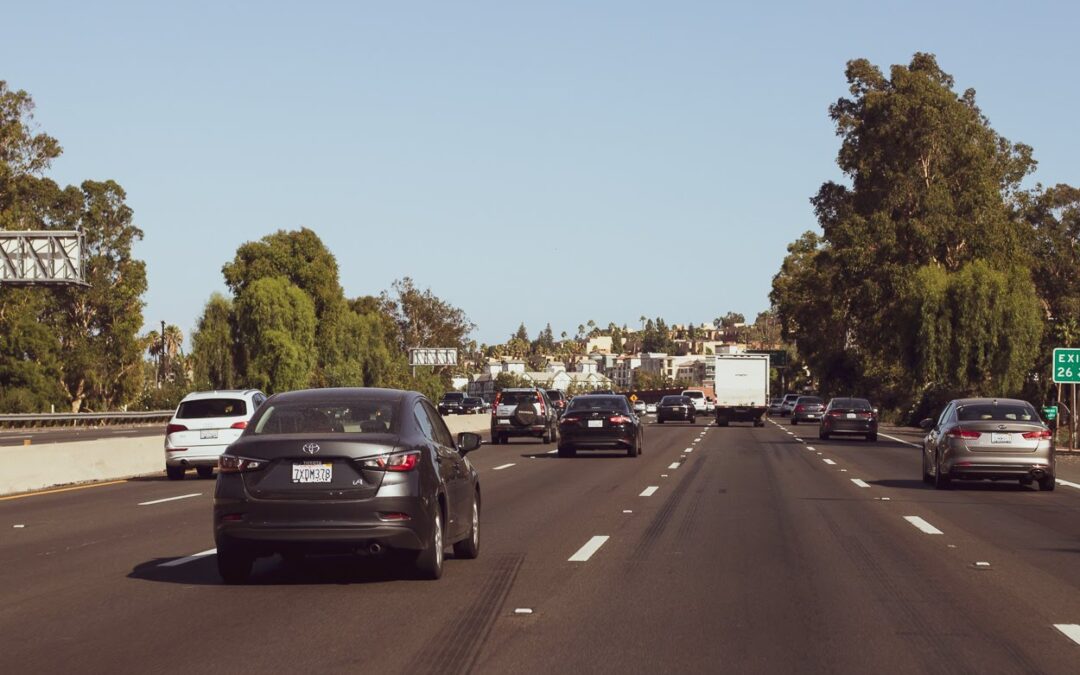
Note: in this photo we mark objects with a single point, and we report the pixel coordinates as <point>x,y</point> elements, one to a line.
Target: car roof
<point>338,393</point>
<point>218,393</point>
<point>989,401</point>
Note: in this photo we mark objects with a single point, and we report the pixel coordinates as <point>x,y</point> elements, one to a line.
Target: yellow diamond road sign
<point>633,398</point>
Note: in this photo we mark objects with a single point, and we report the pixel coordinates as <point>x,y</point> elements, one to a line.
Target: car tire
<point>567,451</point>
<point>429,562</point>
<point>659,420</point>
<point>205,471</point>
<point>632,451</point>
<point>234,563</point>
<point>872,438</point>
<point>794,421</point>
<point>941,482</point>
<point>469,547</point>
<point>692,419</point>
<point>1047,484</point>
<point>823,435</point>
<point>175,472</point>
<point>547,437</point>
<point>759,423</point>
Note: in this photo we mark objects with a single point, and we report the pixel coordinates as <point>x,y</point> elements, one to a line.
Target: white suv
<point>701,403</point>
<point>204,424</point>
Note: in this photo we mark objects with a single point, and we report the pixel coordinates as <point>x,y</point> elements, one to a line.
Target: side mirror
<point>468,441</point>
<point>926,424</point>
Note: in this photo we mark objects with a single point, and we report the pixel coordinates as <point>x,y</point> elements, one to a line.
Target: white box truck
<point>742,388</point>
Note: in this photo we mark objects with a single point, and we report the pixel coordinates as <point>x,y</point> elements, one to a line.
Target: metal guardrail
<point>52,419</point>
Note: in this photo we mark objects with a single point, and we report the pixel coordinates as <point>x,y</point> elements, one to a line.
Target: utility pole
<point>161,358</point>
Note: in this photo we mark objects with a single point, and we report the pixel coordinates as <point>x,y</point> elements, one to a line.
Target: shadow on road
<point>956,486</point>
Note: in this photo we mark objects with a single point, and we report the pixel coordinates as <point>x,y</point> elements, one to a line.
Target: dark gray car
<point>988,438</point>
<point>369,471</point>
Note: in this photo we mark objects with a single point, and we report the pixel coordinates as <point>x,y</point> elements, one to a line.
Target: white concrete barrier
<point>34,467</point>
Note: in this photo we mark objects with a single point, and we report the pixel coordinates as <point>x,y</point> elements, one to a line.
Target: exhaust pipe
<point>375,548</point>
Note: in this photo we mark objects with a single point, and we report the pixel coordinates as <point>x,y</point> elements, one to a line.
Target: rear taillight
<point>173,428</point>
<point>239,425</point>
<point>569,420</point>
<point>619,419</point>
<point>234,464</point>
<point>963,433</point>
<point>834,413</point>
<point>401,461</point>
<point>1041,433</point>
<point>543,408</point>
<point>799,408</point>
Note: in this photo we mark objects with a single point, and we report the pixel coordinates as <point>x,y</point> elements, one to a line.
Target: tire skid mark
<point>456,648</point>
<point>660,521</point>
<point>938,634</point>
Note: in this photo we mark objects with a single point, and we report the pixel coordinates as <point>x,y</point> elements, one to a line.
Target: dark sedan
<point>676,408</point>
<point>849,416</point>
<point>473,405</point>
<point>365,471</point>
<point>599,421</point>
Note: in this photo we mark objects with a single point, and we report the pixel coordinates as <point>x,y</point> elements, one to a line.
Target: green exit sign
<point>1067,365</point>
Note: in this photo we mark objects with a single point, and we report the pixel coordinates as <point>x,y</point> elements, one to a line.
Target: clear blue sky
<point>562,161</point>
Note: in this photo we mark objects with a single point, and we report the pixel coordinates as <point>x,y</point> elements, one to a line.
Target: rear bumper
<point>668,416</point>
<point>207,455</point>
<point>807,417</point>
<point>512,430</point>
<point>739,413</point>
<point>603,439</point>
<point>1005,468</point>
<point>846,427</point>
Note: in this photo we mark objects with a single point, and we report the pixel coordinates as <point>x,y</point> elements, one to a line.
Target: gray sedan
<point>988,438</point>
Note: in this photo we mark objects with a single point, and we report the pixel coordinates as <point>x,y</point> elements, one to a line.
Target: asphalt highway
<point>718,550</point>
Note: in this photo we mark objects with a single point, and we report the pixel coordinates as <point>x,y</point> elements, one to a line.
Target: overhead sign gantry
<point>41,257</point>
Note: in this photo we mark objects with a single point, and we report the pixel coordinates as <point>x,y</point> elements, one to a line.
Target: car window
<point>945,414</point>
<point>598,403</point>
<point>424,422</point>
<point>440,434</point>
<point>671,400</point>
<point>1002,412</point>
<point>212,407</point>
<point>809,400</point>
<point>694,394</point>
<point>326,417</point>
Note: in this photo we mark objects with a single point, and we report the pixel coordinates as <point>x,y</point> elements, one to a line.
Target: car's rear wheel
<point>234,562</point>
<point>941,480</point>
<point>794,421</point>
<point>823,435</point>
<point>547,437</point>
<point>429,562</point>
<point>469,547</point>
<point>1047,484</point>
<point>205,471</point>
<point>567,451</point>
<point>175,472</point>
<point>871,437</point>
<point>659,420</point>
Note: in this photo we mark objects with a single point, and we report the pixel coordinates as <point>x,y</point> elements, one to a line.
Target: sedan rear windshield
<point>597,403</point>
<point>674,400</point>
<point>809,400</point>
<point>1008,412</point>
<point>212,407</point>
<point>850,404</point>
<point>351,417</point>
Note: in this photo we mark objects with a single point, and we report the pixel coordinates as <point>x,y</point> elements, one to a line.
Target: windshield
<point>328,417</point>
<point>211,407</point>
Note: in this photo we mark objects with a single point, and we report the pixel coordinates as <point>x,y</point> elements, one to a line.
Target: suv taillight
<point>173,428</point>
<point>239,425</point>
<point>540,400</point>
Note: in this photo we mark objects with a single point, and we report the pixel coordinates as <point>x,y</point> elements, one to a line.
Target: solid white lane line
<point>590,547</point>
<point>187,559</point>
<point>171,499</point>
<point>899,440</point>
<point>922,525</point>
<point>504,466</point>
<point>860,482</point>
<point>1067,483</point>
<point>1071,631</point>
<point>649,491</point>
<point>673,465</point>
<point>828,461</point>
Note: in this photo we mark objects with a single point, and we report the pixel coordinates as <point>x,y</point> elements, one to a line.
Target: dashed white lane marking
<point>1069,484</point>
<point>828,461</point>
<point>504,466</point>
<point>19,526</point>
<point>811,449</point>
<point>649,491</point>
<point>982,563</point>
<point>860,482</point>
<point>799,439</point>
<point>899,440</point>
<point>1071,631</point>
<point>673,465</point>
<point>697,440</point>
<point>627,511</point>
<point>688,450</point>
<point>523,610</point>
<point>171,499</point>
<point>187,559</point>
<point>552,452</point>
<point>590,547</point>
<point>922,525</point>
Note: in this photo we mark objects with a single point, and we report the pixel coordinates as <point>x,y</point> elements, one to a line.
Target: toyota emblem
<point>311,448</point>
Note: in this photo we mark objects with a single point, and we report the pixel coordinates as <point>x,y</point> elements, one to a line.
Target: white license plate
<point>312,473</point>
<point>812,416</point>
<point>504,421</point>
<point>208,433</point>
<point>1000,438</point>
<point>851,416</point>
<point>596,423</point>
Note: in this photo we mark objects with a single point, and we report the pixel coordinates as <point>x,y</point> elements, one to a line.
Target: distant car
<point>450,403</point>
<point>346,471</point>
<point>650,408</point>
<point>523,412</point>
<point>701,403</point>
<point>849,416</point>
<point>807,409</point>
<point>597,421</point>
<point>788,404</point>
<point>473,405</point>
<point>988,438</point>
<point>774,406</point>
<point>639,407</point>
<point>676,407</point>
<point>558,399</point>
<point>204,424</point>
